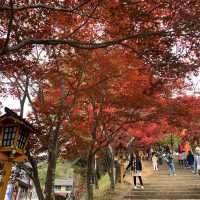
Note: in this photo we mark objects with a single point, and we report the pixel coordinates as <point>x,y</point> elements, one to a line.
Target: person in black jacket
<point>190,159</point>
<point>136,165</point>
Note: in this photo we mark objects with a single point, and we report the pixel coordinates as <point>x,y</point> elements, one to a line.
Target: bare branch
<point>45,6</point>
<point>80,44</point>
<point>84,23</point>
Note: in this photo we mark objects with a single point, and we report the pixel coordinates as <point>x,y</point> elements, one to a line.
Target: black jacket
<point>190,159</point>
<point>168,157</point>
<point>135,164</point>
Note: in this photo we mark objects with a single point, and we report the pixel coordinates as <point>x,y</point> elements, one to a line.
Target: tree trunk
<point>53,146</point>
<point>95,177</point>
<point>112,179</point>
<point>95,180</point>
<point>36,179</point>
<point>89,176</point>
<point>52,158</point>
<point>111,169</point>
<point>23,100</point>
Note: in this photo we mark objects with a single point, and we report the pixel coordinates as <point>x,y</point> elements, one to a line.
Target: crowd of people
<point>162,154</point>
<point>187,158</point>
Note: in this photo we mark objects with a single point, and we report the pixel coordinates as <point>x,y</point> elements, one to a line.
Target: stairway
<point>159,185</point>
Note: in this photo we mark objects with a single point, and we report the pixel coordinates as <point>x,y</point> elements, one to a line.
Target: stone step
<point>148,192</point>
<point>177,172</point>
<point>161,196</point>
<point>163,188</point>
<point>169,178</point>
<point>170,186</point>
<point>173,179</point>
<point>171,182</point>
<point>160,185</point>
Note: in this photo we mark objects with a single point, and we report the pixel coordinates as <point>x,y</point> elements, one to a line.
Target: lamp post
<point>14,136</point>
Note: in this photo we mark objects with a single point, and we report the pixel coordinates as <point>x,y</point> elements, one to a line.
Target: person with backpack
<point>190,160</point>
<point>168,157</point>
<point>136,166</point>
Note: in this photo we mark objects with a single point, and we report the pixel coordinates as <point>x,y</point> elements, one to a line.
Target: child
<point>155,161</point>
<point>136,165</point>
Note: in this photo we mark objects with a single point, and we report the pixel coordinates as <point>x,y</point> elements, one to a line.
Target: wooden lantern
<point>14,136</point>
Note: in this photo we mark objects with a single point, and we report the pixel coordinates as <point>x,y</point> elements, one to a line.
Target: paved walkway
<point>159,185</point>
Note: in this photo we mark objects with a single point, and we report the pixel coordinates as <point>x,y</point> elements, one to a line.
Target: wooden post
<point>6,176</point>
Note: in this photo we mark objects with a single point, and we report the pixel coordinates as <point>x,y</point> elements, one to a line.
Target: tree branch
<point>80,44</point>
<point>84,23</point>
<point>9,24</point>
<point>45,6</point>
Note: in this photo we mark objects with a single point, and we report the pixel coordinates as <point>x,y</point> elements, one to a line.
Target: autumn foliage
<point>97,73</point>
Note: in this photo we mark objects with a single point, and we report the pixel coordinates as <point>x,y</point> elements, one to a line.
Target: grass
<point>63,170</point>
<point>104,186</point>
<point>104,192</point>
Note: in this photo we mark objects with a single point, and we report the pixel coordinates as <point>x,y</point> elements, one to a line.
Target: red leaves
<point>141,130</point>
<point>69,100</point>
<point>110,110</point>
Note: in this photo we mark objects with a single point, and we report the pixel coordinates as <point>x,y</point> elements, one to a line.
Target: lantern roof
<point>13,116</point>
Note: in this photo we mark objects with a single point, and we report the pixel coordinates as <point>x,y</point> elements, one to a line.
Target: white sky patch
<point>182,50</point>
<point>14,105</point>
<point>9,100</point>
<point>192,86</point>
<point>39,54</point>
<point>12,102</point>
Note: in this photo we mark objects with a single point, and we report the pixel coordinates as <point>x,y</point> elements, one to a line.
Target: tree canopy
<point>97,73</point>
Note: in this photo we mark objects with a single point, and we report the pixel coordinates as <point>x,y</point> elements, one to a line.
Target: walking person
<point>121,161</point>
<point>197,161</point>
<point>196,152</point>
<point>169,159</point>
<point>155,161</point>
<point>190,160</point>
<point>180,159</point>
<point>180,155</point>
<point>184,155</point>
<point>187,149</point>
<point>136,166</point>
